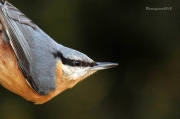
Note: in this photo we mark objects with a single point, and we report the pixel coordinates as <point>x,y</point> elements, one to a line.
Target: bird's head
<point>77,65</point>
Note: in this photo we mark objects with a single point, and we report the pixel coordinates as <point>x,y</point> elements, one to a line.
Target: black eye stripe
<point>73,62</point>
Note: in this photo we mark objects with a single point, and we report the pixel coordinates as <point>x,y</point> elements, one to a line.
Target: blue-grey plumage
<point>32,47</point>
<point>38,54</point>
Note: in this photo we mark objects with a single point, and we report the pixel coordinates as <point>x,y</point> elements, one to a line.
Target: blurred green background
<point>145,43</point>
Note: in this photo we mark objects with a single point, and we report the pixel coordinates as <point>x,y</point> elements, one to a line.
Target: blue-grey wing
<point>25,38</point>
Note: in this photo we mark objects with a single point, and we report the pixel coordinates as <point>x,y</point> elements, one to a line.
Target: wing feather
<point>10,16</point>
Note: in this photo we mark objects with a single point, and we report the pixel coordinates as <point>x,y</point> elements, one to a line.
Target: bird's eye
<point>77,63</point>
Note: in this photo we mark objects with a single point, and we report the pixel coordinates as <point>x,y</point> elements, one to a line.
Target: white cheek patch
<point>74,72</point>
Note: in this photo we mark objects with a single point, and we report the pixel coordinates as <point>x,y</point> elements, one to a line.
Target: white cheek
<point>74,72</point>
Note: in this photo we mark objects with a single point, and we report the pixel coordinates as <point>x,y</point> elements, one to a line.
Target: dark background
<point>145,43</point>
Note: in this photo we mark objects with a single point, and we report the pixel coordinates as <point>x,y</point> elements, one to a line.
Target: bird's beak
<point>103,65</point>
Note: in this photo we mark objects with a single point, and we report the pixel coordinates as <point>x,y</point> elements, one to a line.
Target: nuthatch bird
<point>32,64</point>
